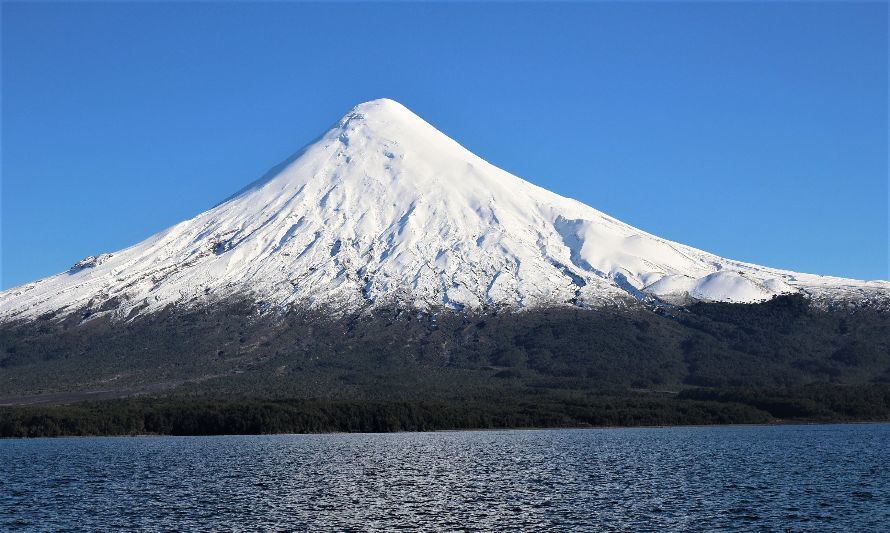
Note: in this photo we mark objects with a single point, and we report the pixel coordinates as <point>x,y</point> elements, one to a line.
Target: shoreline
<point>778,423</point>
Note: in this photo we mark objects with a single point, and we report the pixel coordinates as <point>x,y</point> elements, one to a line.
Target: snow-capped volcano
<point>384,209</point>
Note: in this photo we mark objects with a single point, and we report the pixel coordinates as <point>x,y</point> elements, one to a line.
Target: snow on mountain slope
<point>384,209</point>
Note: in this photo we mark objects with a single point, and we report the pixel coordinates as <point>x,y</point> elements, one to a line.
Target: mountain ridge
<point>385,210</point>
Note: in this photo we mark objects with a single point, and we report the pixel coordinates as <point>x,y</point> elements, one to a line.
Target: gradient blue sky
<point>757,131</point>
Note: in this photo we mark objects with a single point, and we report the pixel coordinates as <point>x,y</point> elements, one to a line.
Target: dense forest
<point>233,369</point>
<point>184,415</point>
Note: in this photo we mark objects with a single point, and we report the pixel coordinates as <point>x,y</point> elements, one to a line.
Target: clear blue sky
<point>757,131</point>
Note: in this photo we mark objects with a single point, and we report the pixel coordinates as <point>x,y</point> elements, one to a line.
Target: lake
<point>807,477</point>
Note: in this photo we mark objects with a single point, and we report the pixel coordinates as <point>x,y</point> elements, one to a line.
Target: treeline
<point>213,416</point>
<point>190,416</point>
<point>817,403</point>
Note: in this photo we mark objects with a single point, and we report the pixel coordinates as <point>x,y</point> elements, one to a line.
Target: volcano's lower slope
<point>541,363</point>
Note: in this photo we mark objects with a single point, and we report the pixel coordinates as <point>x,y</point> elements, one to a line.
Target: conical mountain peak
<point>385,210</point>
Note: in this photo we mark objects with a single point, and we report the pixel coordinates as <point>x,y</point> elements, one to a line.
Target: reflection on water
<point>831,477</point>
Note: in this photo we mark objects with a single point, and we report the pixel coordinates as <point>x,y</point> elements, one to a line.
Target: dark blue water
<point>828,477</point>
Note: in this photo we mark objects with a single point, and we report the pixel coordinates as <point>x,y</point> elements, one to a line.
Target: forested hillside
<point>705,363</point>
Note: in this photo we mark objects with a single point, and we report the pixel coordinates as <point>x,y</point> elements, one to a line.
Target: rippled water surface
<point>831,477</point>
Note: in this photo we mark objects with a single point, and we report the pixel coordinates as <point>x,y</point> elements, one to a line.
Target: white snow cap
<point>384,209</point>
